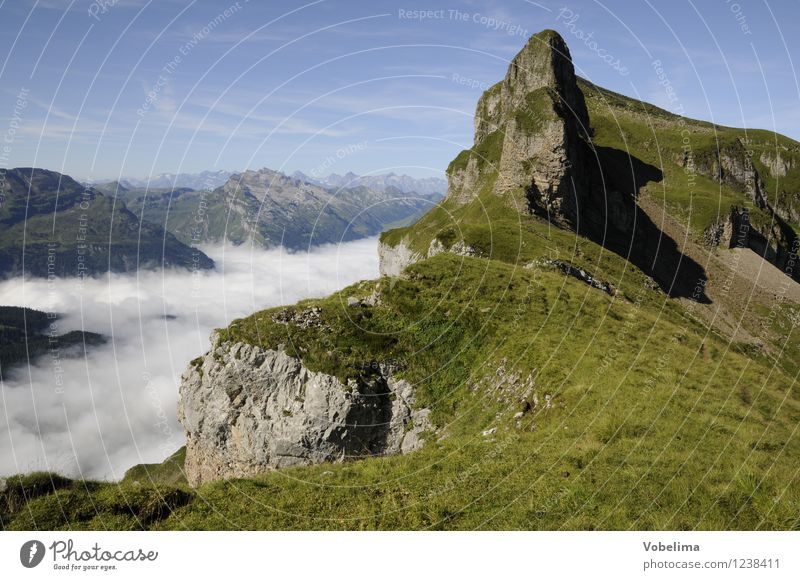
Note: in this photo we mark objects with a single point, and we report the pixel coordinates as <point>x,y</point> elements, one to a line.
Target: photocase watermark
<point>738,240</point>
<point>791,258</point>
<point>776,308</point>
<point>198,234</point>
<point>666,83</point>
<point>95,558</point>
<point>8,138</point>
<point>623,340</point>
<point>54,349</point>
<point>488,22</point>
<point>154,93</point>
<point>67,557</point>
<point>463,477</point>
<point>100,7</point>
<point>676,107</point>
<point>569,18</point>
<point>53,339</point>
<point>16,118</point>
<point>31,553</point>
<point>385,367</point>
<point>84,247</point>
<point>155,90</point>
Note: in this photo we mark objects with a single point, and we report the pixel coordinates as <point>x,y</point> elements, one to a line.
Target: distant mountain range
<point>269,208</point>
<point>405,183</point>
<point>205,180</point>
<point>52,225</point>
<point>209,180</point>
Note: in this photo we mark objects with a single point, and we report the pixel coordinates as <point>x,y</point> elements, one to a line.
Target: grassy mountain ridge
<point>658,137</point>
<point>621,425</point>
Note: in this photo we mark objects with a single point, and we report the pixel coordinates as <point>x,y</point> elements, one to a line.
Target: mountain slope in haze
<point>405,183</point>
<point>52,225</point>
<point>204,180</point>
<point>588,356</point>
<point>270,209</point>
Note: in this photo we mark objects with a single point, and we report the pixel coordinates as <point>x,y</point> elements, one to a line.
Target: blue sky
<point>341,85</point>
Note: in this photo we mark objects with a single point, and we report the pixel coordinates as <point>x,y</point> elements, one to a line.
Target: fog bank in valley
<point>95,416</point>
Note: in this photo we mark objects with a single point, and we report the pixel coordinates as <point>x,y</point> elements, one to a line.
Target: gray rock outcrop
<point>731,164</point>
<point>247,410</point>
<point>774,240</point>
<point>777,165</point>
<point>530,147</point>
<point>460,248</point>
<point>530,131</point>
<point>394,259</point>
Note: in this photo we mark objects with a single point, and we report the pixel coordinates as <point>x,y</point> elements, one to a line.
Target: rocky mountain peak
<point>530,131</point>
<point>544,63</point>
<point>265,182</point>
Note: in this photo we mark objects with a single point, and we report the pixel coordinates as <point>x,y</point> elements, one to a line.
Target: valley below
<point>92,411</point>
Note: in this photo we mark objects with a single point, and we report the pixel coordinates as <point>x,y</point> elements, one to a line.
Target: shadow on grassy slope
<point>628,231</point>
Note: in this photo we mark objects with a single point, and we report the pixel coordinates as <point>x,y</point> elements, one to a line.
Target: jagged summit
<point>544,63</point>
<point>530,131</point>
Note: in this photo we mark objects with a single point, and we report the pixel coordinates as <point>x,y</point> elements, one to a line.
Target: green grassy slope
<point>632,417</point>
<point>661,139</point>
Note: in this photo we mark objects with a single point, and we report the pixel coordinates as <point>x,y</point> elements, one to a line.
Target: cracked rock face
<point>394,259</point>
<point>247,410</point>
<point>731,164</point>
<point>541,117</point>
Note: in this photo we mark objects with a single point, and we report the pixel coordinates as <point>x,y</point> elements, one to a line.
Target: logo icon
<point>31,553</point>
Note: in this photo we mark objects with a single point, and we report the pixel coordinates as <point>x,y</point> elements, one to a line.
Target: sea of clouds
<point>95,416</point>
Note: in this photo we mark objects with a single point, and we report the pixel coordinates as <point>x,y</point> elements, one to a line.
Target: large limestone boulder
<point>247,410</point>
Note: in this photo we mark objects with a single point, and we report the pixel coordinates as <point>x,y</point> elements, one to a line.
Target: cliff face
<point>247,410</point>
<point>728,163</point>
<point>530,132</point>
<point>532,151</point>
<point>394,259</point>
<point>771,237</point>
